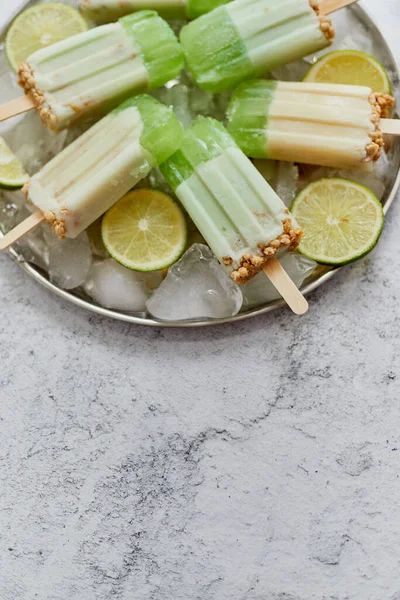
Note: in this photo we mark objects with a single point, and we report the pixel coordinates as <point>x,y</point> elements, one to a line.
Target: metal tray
<point>386,57</point>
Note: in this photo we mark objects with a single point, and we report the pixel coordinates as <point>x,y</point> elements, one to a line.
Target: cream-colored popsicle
<point>91,174</point>
<point>316,123</point>
<point>235,209</point>
<point>94,71</point>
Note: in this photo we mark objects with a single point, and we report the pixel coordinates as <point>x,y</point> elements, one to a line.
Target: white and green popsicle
<point>317,123</point>
<point>106,11</point>
<point>94,71</point>
<point>240,216</point>
<point>90,175</point>
<point>248,38</point>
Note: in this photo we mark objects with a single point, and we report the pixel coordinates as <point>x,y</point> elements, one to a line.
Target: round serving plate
<point>383,53</point>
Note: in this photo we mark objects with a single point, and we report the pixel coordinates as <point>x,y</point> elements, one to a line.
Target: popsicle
<point>240,216</point>
<point>248,38</point>
<point>105,11</point>
<point>90,175</point>
<point>317,123</point>
<point>94,71</point>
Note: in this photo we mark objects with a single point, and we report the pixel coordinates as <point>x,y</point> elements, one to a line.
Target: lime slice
<point>342,220</point>
<point>350,67</point>
<point>145,230</point>
<point>41,26</point>
<point>12,174</point>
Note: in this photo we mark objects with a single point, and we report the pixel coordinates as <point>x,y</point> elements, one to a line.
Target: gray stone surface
<point>258,461</point>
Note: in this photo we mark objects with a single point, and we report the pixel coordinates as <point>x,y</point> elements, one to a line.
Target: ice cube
<point>350,34</point>
<point>113,286</point>
<point>293,71</point>
<point>11,204</point>
<point>196,287</point>
<point>260,290</point>
<point>286,182</point>
<point>373,175</point>
<point>96,240</point>
<point>9,90</point>
<point>205,103</point>
<point>34,144</point>
<point>177,96</point>
<point>221,102</point>
<point>155,180</point>
<point>267,168</point>
<point>201,102</point>
<point>382,173</point>
<point>69,259</point>
<point>371,179</point>
<point>33,248</point>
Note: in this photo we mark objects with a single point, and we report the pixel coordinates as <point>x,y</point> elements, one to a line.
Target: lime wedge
<point>350,67</point>
<point>145,230</point>
<point>39,27</point>
<point>342,220</point>
<point>12,174</point>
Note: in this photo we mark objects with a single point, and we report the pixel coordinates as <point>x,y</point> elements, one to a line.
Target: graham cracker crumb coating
<point>26,80</point>
<point>380,105</point>
<point>325,23</point>
<point>327,28</point>
<point>58,225</point>
<point>251,264</point>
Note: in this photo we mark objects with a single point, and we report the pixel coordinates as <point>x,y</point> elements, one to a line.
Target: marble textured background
<point>258,461</point>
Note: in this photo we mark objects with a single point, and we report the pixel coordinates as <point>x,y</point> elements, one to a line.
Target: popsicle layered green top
<point>317,123</point>
<point>248,38</point>
<point>97,169</point>
<point>106,11</point>
<point>235,209</point>
<point>94,71</point>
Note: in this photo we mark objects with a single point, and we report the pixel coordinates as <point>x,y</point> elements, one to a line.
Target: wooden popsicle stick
<point>285,286</point>
<point>16,107</point>
<point>22,229</point>
<point>327,7</point>
<point>390,126</point>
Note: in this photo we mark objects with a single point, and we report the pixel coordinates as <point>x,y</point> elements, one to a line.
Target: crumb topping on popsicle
<point>381,104</point>
<point>251,264</point>
<point>325,23</point>
<point>26,80</point>
<point>58,225</point>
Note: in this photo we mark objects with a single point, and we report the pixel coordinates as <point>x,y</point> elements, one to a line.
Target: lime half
<point>350,67</point>
<point>39,27</point>
<point>12,174</point>
<point>342,220</point>
<point>145,230</point>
